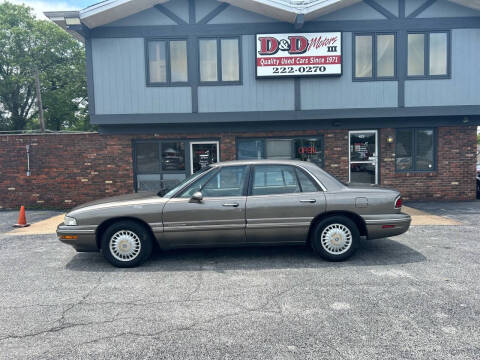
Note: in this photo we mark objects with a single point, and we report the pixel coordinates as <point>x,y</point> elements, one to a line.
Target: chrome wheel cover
<point>336,239</point>
<point>125,245</point>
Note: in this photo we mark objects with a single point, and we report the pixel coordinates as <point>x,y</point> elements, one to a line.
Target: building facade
<point>377,92</point>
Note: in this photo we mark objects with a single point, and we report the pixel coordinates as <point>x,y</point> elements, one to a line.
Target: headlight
<point>70,221</point>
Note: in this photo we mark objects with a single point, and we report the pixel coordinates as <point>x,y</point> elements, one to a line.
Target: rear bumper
<point>381,226</point>
<point>81,238</point>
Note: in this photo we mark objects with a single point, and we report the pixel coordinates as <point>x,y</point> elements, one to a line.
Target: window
<point>228,181</point>
<point>374,56</point>
<point>306,183</point>
<point>274,179</point>
<point>428,55</point>
<point>167,62</point>
<point>159,165</point>
<point>305,149</point>
<point>219,60</point>
<point>415,149</point>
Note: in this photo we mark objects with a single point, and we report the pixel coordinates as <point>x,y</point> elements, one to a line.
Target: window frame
<point>219,80</point>
<point>251,179</point>
<point>159,143</point>
<point>426,75</point>
<point>168,82</point>
<point>414,150</point>
<point>320,137</point>
<point>374,35</point>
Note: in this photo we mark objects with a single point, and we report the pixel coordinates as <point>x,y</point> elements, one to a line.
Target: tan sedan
<point>257,202</point>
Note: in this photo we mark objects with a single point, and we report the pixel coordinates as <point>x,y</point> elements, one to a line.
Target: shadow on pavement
<point>371,253</point>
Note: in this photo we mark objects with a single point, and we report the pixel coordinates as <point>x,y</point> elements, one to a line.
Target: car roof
<point>259,162</point>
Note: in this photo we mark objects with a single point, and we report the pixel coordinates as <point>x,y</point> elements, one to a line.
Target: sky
<point>39,6</point>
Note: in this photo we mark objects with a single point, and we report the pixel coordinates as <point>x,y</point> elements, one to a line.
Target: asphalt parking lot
<point>415,296</point>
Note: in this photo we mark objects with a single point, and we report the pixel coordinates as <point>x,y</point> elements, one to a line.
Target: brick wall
<point>70,169</point>
<point>454,178</point>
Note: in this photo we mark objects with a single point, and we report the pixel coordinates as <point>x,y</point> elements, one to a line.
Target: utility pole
<point>39,100</point>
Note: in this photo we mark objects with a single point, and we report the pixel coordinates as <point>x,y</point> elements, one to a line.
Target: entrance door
<point>203,153</point>
<point>363,156</point>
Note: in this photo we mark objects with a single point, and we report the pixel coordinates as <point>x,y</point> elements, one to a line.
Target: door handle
<point>231,204</point>
<point>308,201</point>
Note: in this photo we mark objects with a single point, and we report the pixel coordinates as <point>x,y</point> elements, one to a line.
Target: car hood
<point>118,199</point>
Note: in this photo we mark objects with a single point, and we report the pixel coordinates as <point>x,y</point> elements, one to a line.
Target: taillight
<point>398,202</point>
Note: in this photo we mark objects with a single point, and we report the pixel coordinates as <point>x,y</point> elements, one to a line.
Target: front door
<point>363,157</point>
<point>218,219</point>
<point>202,154</point>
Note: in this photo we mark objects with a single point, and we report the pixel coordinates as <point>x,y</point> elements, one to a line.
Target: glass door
<point>203,153</point>
<point>363,156</point>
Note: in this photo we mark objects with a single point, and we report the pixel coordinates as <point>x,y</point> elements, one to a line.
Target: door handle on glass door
<point>231,204</point>
<point>308,201</point>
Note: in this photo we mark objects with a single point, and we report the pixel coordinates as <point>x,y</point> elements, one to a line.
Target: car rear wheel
<point>335,238</point>
<point>126,244</point>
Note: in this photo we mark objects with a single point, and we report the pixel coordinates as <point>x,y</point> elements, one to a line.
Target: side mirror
<point>197,196</point>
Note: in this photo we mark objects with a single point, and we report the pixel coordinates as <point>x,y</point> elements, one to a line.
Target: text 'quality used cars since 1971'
<point>257,202</point>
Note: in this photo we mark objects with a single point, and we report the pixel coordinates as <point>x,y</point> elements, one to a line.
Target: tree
<point>28,44</point>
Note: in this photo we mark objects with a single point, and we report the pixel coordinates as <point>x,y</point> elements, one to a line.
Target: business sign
<point>304,54</point>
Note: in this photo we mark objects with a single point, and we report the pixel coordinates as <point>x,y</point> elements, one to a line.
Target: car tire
<point>335,238</point>
<point>126,244</point>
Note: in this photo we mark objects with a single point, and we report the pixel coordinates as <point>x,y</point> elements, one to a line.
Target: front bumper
<point>381,226</point>
<point>82,238</point>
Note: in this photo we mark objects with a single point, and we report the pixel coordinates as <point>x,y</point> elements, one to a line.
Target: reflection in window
<point>157,61</point>
<point>305,182</point>
<point>414,150</point>
<point>404,149</point>
<point>208,60</point>
<point>438,54</point>
<point>147,158</point>
<point>250,149</point>
<point>227,182</point>
<point>203,155</point>
<point>308,150</point>
<point>173,155</point>
<point>230,60</point>
<point>178,61</point>
<point>416,54</point>
<point>219,60</point>
<point>274,179</point>
<point>385,55</point>
<point>279,149</point>
<point>363,56</point>
<point>424,149</point>
<point>167,61</point>
<point>305,149</point>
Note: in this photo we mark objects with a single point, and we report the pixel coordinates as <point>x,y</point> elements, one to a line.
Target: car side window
<point>306,182</point>
<point>196,186</point>
<point>227,182</point>
<point>274,179</point>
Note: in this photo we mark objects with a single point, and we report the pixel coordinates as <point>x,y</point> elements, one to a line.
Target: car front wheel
<point>126,244</point>
<point>335,238</point>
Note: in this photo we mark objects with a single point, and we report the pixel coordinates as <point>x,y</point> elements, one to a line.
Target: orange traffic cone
<point>22,219</point>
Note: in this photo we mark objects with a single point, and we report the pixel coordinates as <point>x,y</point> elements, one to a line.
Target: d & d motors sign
<point>305,54</point>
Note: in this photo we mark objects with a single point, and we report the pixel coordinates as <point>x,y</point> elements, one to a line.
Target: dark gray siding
<point>119,78</point>
<point>341,92</point>
<point>464,86</point>
<point>253,95</point>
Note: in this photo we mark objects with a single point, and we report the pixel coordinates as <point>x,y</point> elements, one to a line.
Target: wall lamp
<point>389,139</point>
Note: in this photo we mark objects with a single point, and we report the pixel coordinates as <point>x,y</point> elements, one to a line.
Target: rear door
<point>219,219</point>
<point>281,204</point>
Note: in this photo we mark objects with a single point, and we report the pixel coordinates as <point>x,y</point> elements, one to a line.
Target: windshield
<point>189,179</point>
